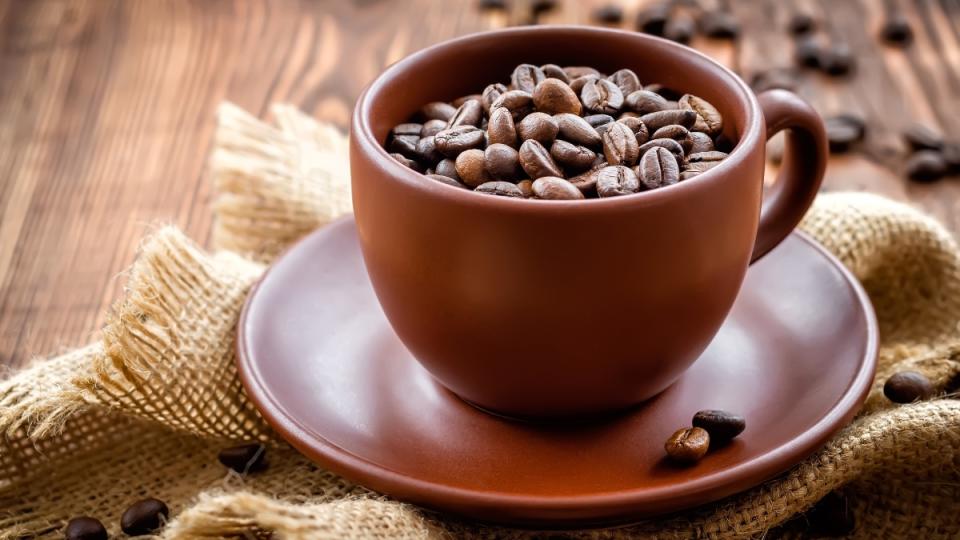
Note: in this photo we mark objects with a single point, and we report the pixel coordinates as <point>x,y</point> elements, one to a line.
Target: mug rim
<point>362,131</point>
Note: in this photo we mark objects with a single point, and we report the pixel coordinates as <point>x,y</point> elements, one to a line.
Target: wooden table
<point>107,111</point>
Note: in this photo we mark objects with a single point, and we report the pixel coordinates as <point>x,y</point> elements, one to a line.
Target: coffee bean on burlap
<point>144,517</point>
<point>536,160</point>
<point>645,102</point>
<point>656,120</point>
<point>687,445</point>
<point>490,95</point>
<point>671,145</point>
<point>443,179</point>
<point>500,189</point>
<point>471,167</point>
<point>658,168</point>
<point>719,24</point>
<point>708,118</point>
<point>807,52</point>
<point>801,23</point>
<point>85,528</point>
<point>677,133</point>
<point>468,114</point>
<point>518,102</point>
<point>831,516</point>
<point>557,189</point>
<point>626,80</point>
<point>601,96</point>
<point>553,96</point>
<point>526,77</point>
<point>896,30</point>
<point>925,166</point>
<point>837,60</point>
<point>639,129</point>
<point>526,188</point>
<point>437,110</point>
<point>907,387</point>
<point>502,162</point>
<point>412,164</point>
<point>244,458</point>
<point>538,126</point>
<point>577,130</point>
<point>616,180</point>
<point>501,128</point>
<point>553,71</point>
<point>451,142</point>
<point>572,157</point>
<point>721,425</point>
<point>432,127</point>
<point>701,142</point>
<point>680,28</point>
<point>653,20</point>
<point>608,13</point>
<point>923,137</point>
<point>620,145</point>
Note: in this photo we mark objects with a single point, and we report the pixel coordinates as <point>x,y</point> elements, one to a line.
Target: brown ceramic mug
<point>551,308</point>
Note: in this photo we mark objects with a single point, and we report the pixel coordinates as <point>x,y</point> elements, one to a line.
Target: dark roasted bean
<point>586,181</point>
<point>539,127</point>
<point>653,20</point>
<point>536,160</point>
<point>658,168</point>
<point>450,142</point>
<point>601,96</point>
<point>620,145</point>
<point>680,29</point>
<point>701,142</point>
<point>801,23</point>
<point>577,84</point>
<point>500,128</point>
<point>553,188</point>
<point>438,110</point>
<point>526,188</point>
<point>639,129</point>
<point>501,189</point>
<point>444,179</point>
<point>907,387</point>
<point>807,52</point>
<point>579,71</point>
<point>597,120</point>
<point>502,162</point>
<point>842,133</point>
<point>526,77</point>
<point>688,445</point>
<point>708,119</point>
<point>553,71</point>
<point>468,114</point>
<point>645,102</point>
<point>951,155</point>
<point>518,102</point>
<point>926,166</point>
<point>244,458</point>
<point>671,145</point>
<point>471,167</point>
<point>687,175</point>
<point>616,180</point>
<point>448,168</point>
<point>896,30</point>
<point>427,152</point>
<point>85,528</point>
<point>719,25</point>
<point>572,157</point>
<point>626,80</point>
<point>656,120</point>
<point>415,165</point>
<point>463,99</point>
<point>608,13</point>
<point>837,60</point>
<point>492,4</point>
<point>577,130</point>
<point>553,96</point>
<point>144,517</point>
<point>490,95</point>
<point>432,127</point>
<point>538,7</point>
<point>677,133</point>
<point>922,137</point>
<point>721,425</point>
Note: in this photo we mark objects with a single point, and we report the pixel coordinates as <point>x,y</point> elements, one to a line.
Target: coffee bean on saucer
<point>719,24</point>
<point>801,23</point>
<point>658,168</point>
<point>926,166</point>
<point>471,167</point>
<point>907,387</point>
<point>831,516</point>
<point>721,425</point>
<point>653,20</point>
<point>85,528</point>
<point>896,30</point>
<point>500,189</point>
<point>922,137</point>
<point>687,445</point>
<point>617,180</point>
<point>144,517</point>
<point>680,29</point>
<point>553,188</point>
<point>608,13</point>
<point>553,96</point>
<point>244,458</point>
<point>837,60</point>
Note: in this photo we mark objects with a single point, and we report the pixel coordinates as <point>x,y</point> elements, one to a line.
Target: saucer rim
<point>662,498</point>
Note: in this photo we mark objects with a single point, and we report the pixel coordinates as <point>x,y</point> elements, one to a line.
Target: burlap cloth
<point>144,410</point>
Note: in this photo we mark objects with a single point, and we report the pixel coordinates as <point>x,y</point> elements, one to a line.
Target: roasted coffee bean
<point>444,179</point>
<point>597,120</point>
<point>688,445</point>
<point>450,142</point>
<point>500,128</point>
<point>616,180</point>
<point>951,155</point>
<point>557,189</point>
<point>707,157</point>
<point>656,120</point>
<point>926,166</point>
<point>837,60</point>
<point>831,517</point>
<point>571,156</point>
<point>601,96</point>
<point>719,25</point>
<point>526,188</point>
<point>538,7</point>
<point>626,80</point>
<point>620,145</point>
<point>518,102</point>
<point>670,145</point>
<point>708,118</point>
<point>492,4</point>
<point>427,152</point>
<point>447,167</point>
<point>468,114</point>
<point>680,29</point>
<point>144,517</point>
<point>471,167</point>
<point>490,95</point>
<point>922,137</point>
<point>896,30</point>
<point>553,96</point>
<point>667,93</point>
<point>502,162</point>
<point>658,168</point>
<point>577,130</point>
<point>639,129</point>
<point>701,142</point>
<point>403,139</point>
<point>526,77</point>
<point>85,528</point>
<point>536,160</point>
<point>801,23</point>
<point>677,133</point>
<point>653,20</point>
<point>907,387</point>
<point>438,110</point>
<point>721,425</point>
<point>500,189</point>
<point>586,181</point>
<point>807,52</point>
<point>412,164</point>
<point>244,458</point>
<point>842,134</point>
<point>608,13</point>
<point>645,102</point>
<point>432,127</point>
<point>539,127</point>
<point>577,84</point>
<point>463,99</point>
<point>579,71</point>
<point>553,71</point>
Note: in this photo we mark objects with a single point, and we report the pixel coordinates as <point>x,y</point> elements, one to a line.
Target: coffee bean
<point>637,127</point>
<point>616,180</point>
<point>432,127</point>
<point>447,167</point>
<point>922,137</point>
<point>538,7</point>
<point>553,71</point>
<point>608,13</point>
<point>492,4</point>
<point>85,528</point>
<point>577,84</point>
<point>553,188</point>
<point>490,95</point>
<point>577,130</point>
<point>586,181</point>
<point>926,166</point>
<point>451,142</point>
<point>244,458</point>
<point>656,120</point>
<point>526,188</point>
<point>721,425</point>
<point>907,387</point>
<point>539,127</point>
<point>438,110</point>
<point>807,52</point>
<point>574,72</point>
<point>443,179</point>
<point>415,165</point>
<point>670,145</point>
<point>502,162</point>
<point>666,92</point>
<point>553,96</point>
<point>704,161</point>
<point>687,445</point>
<point>500,128</point>
<point>471,167</point>
<point>708,118</point>
<point>468,114</point>
<point>463,99</point>
<point>518,102</point>
<point>500,189</point>
<point>658,168</point>
<point>896,30</point>
<point>427,152</point>
<point>620,145</point>
<point>680,29</point>
<point>626,80</point>
<point>951,155</point>
<point>144,517</point>
<point>842,134</point>
<point>597,120</point>
<point>601,96</point>
<point>536,160</point>
<point>701,142</point>
<point>571,156</point>
<point>831,516</point>
<point>677,133</point>
<point>526,77</point>
<point>801,23</point>
<point>403,139</point>
<point>837,60</point>
<point>653,20</point>
<point>645,102</point>
<point>719,25</point>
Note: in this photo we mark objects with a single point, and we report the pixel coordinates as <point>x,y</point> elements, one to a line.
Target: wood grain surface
<point>107,111</point>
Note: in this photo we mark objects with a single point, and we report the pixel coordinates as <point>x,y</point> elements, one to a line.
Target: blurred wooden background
<point>107,111</point>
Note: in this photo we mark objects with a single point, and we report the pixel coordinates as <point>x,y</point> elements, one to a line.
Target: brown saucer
<point>796,357</point>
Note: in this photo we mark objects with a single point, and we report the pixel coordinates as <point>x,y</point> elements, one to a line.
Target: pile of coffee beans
<point>563,133</point>
<point>688,445</point>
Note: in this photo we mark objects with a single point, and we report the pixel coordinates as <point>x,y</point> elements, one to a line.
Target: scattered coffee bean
<point>645,102</point>
<point>831,516</point>
<point>471,167</point>
<point>245,458</point>
<point>653,20</point>
<point>719,25</point>
<point>926,166</point>
<point>687,445</point>
<point>837,60</point>
<point>608,13</point>
<point>538,126</point>
<point>500,189</point>
<point>896,30</point>
<point>553,188</point>
<point>538,7</point>
<point>658,168</point>
<point>553,96</point>
<point>526,188</point>
<point>708,118</point>
<point>680,29</point>
<point>451,142</point>
<point>617,180</point>
<point>144,517</point>
<point>85,528</point>
<point>553,71</point>
<point>571,156</point>
<point>502,162</point>
<point>922,137</point>
<point>620,145</point>
<point>683,117</point>
<point>907,387</point>
<point>843,132</point>
<point>500,128</point>
<point>526,77</point>
<point>493,4</point>
<point>801,23</point>
<point>601,96</point>
<point>721,425</point>
<point>807,52</point>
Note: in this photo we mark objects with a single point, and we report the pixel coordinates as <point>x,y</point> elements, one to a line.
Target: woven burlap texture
<point>143,411</point>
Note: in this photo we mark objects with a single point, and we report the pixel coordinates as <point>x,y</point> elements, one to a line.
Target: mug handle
<point>804,162</point>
